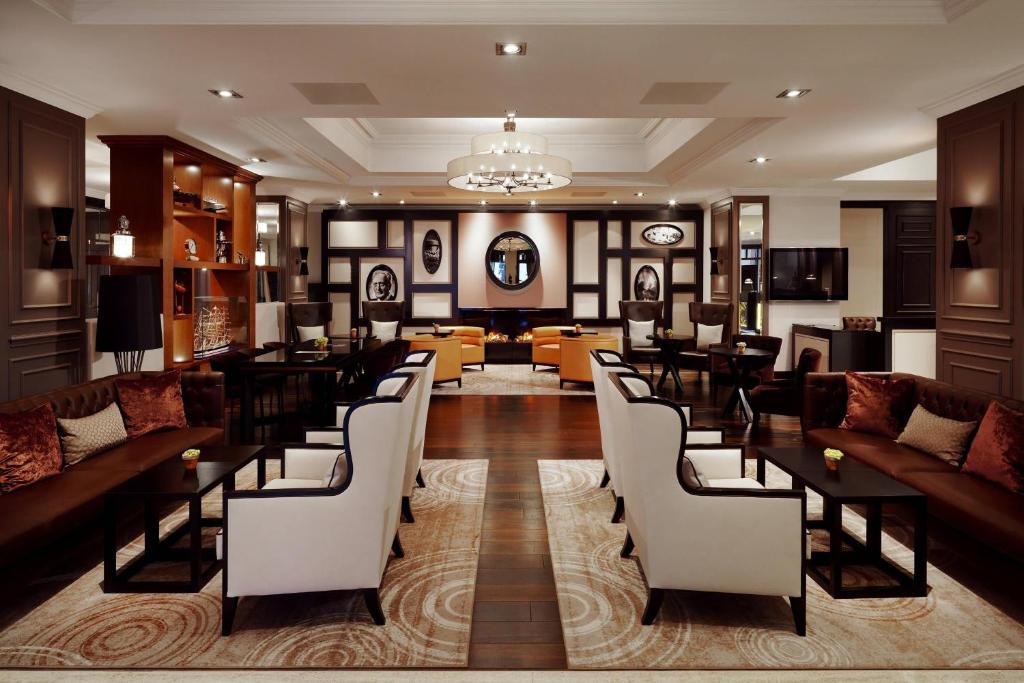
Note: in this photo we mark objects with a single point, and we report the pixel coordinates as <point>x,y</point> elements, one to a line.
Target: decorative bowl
<point>190,458</point>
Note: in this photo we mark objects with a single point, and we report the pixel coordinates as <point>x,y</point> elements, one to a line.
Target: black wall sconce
<point>960,256</point>
<point>63,218</point>
<point>715,261</point>
<point>303,260</point>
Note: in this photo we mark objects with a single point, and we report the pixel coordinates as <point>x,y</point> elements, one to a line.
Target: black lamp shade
<point>713,253</point>
<point>960,219</point>
<point>303,260</point>
<point>63,217</point>
<point>128,318</point>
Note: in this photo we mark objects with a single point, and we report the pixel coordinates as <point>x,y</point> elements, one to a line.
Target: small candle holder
<point>668,334</point>
<point>190,458</point>
<point>833,457</point>
<point>741,347</point>
<point>578,328</point>
<point>353,333</point>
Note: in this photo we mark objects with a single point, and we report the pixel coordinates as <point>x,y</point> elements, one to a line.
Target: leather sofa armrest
<point>203,396</point>
<point>824,400</point>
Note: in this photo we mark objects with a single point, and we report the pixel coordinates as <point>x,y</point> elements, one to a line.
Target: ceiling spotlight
<point>401,201</point>
<point>510,49</point>
<point>533,202</point>
<point>615,201</point>
<point>257,160</point>
<point>760,160</point>
<point>672,202</point>
<point>342,202</point>
<point>375,193</point>
<point>793,93</point>
<point>226,94</point>
<point>638,194</point>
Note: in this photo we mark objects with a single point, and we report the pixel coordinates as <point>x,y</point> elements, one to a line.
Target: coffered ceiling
<point>669,97</point>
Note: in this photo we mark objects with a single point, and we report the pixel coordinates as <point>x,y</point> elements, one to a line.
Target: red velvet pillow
<point>875,405</point>
<point>29,447</point>
<point>997,453</point>
<point>151,403</point>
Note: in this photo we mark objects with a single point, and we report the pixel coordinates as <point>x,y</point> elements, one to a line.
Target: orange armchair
<point>448,351</point>
<point>472,340</point>
<point>546,345</point>
<point>575,356</point>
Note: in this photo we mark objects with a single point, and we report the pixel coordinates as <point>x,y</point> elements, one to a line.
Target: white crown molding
<point>997,85</point>
<point>528,12</point>
<point>262,129</point>
<point>12,80</point>
<point>726,144</point>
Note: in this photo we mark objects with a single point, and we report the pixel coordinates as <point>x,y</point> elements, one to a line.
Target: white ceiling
<point>880,71</point>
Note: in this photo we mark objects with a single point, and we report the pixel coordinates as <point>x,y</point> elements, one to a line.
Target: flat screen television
<point>818,274</point>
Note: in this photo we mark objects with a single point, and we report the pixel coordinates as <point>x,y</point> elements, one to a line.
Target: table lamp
<point>128,319</point>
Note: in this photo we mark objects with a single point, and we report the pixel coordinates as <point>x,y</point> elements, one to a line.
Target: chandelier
<point>509,162</point>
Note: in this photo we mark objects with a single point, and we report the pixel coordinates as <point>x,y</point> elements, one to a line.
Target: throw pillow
<point>338,472</point>
<point>310,332</point>
<point>875,405</point>
<point>708,335</point>
<point>151,403</point>
<point>691,477</point>
<point>997,453</point>
<point>942,437</point>
<point>29,447</point>
<point>86,436</point>
<point>638,331</point>
<point>385,331</point>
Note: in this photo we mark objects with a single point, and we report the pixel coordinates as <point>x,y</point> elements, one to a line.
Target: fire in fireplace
<point>509,330</point>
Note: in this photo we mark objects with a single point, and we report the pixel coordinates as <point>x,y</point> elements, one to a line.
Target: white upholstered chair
<point>273,539</point>
<point>697,523</point>
<point>421,363</point>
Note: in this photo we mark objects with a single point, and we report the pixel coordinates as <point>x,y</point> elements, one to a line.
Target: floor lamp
<point>128,319</point>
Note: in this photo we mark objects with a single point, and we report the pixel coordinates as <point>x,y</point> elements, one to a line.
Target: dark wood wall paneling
<point>723,289</point>
<point>41,316</point>
<point>980,311</point>
<point>682,213</point>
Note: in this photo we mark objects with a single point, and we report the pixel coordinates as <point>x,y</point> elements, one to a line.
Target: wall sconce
<point>260,257</point>
<point>960,256</point>
<point>715,261</point>
<point>303,260</point>
<point>62,217</point>
<point>122,242</point>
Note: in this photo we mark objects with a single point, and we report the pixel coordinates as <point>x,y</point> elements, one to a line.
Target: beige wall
<point>548,230</point>
<point>862,232</point>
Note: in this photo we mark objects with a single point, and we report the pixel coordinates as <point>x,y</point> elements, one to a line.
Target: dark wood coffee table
<point>167,482</point>
<point>854,483</point>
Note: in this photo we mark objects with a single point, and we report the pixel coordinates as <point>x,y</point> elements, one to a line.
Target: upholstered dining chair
<point>664,481</point>
<point>859,322</point>
<point>706,318</point>
<point>273,539</point>
<point>472,340</point>
<point>636,348</point>
<point>377,312</point>
<point>784,396</point>
<point>546,345</point>
<point>720,374</point>
<point>310,320</point>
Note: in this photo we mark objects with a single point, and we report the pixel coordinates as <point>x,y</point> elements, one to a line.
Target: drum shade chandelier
<point>509,162</point>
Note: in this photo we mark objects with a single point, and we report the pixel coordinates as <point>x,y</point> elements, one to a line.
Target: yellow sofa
<point>575,356</point>
<point>472,340</point>
<point>546,345</point>
<point>449,356</point>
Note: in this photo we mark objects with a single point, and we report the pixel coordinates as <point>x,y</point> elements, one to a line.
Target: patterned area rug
<point>427,597</point>
<point>601,597</point>
<point>510,380</point>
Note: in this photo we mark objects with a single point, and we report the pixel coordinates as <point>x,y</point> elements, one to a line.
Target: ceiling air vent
<point>336,93</point>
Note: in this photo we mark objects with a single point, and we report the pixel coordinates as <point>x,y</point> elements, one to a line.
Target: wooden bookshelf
<point>144,170</point>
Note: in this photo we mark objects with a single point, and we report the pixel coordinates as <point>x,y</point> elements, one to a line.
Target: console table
<point>859,350</point>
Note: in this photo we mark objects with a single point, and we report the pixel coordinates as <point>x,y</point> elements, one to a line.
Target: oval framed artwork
<point>381,284</point>
<point>646,284</point>
<point>662,234</point>
<point>432,251</point>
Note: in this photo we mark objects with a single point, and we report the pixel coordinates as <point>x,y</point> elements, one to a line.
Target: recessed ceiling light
<point>483,202</point>
<point>760,160</point>
<point>638,194</point>
<point>226,94</point>
<point>343,202</point>
<point>510,49</point>
<point>533,202</point>
<point>375,193</point>
<point>257,160</point>
<point>793,93</point>
<point>401,201</point>
<point>672,202</point>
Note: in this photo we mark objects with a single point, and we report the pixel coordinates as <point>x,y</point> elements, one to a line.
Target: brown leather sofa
<point>46,510</point>
<point>977,507</point>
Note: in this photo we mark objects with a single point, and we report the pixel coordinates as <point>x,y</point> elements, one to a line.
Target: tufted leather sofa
<point>977,507</point>
<point>45,511</point>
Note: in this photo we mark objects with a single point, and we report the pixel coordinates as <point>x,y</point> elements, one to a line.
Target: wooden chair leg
<point>407,510</point>
<point>620,509</point>
<point>627,547</point>
<point>396,546</point>
<point>228,606</point>
<point>372,598</point>
<point>799,606</point>
<point>419,480</point>
<point>605,479</point>
<point>654,599</point>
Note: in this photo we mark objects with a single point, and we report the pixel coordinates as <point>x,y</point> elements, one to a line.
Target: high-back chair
<point>602,363</point>
<point>422,363</point>
<point>689,511</point>
<point>640,349</point>
<point>704,315</point>
<point>331,519</point>
<point>310,320</point>
<point>383,312</point>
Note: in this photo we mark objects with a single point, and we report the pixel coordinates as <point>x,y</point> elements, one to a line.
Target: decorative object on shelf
<point>353,333</point>
<point>63,217</point>
<point>241,258</point>
<point>179,297</point>
<point>513,260</point>
<point>741,347</point>
<point>431,251</point>
<point>211,328</point>
<point>833,456</point>
<point>303,260</point>
<point>190,458</point>
<point>646,284</point>
<point>191,250</point>
<point>184,198</point>
<point>382,284</point>
<point>662,234</point>
<point>715,261</point>
<point>128,319</point>
<point>509,162</point>
<point>963,238</point>
<point>261,253</point>
<point>223,247</point>
<point>122,242</point>
<point>321,342</point>
<point>213,206</point>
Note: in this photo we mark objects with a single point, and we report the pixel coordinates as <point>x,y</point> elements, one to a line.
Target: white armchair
<point>273,539</point>
<point>421,363</point>
<point>697,523</point>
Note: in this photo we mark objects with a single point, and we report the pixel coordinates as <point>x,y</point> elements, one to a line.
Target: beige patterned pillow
<point>942,437</point>
<point>87,436</point>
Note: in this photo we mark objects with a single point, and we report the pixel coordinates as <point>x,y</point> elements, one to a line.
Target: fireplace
<point>508,329</point>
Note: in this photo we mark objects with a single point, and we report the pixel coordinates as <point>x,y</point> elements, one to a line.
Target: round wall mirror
<point>512,260</point>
